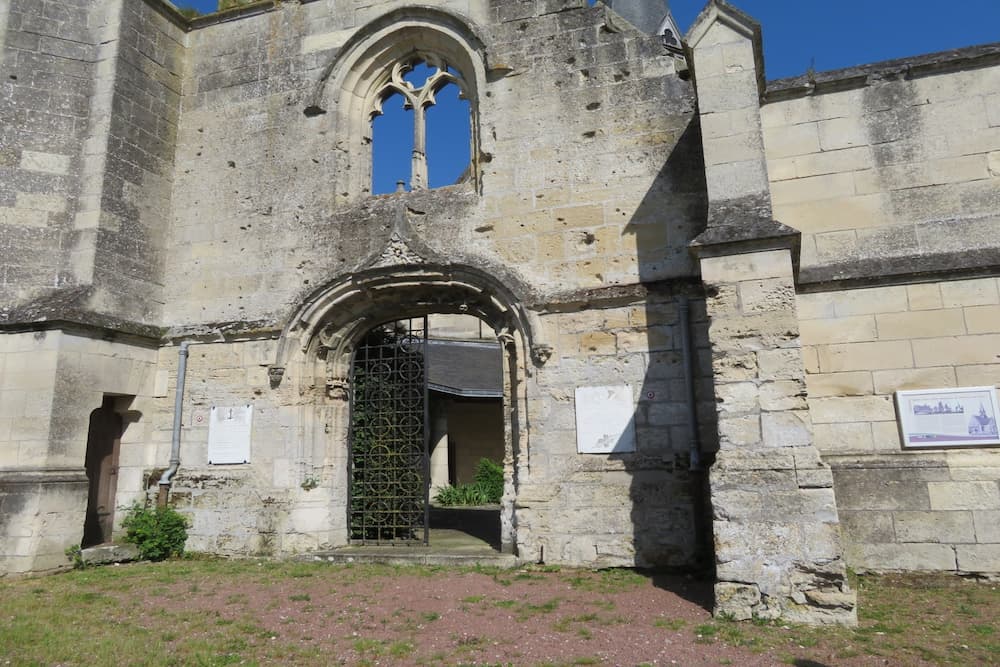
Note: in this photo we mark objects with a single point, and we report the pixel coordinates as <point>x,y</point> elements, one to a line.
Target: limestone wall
<point>120,231</point>
<point>637,508</point>
<point>891,173</point>
<point>262,507</point>
<point>930,509</point>
<point>84,202</point>
<point>587,176</point>
<point>50,381</point>
<point>626,509</point>
<point>587,184</point>
<point>47,64</point>
<point>881,163</point>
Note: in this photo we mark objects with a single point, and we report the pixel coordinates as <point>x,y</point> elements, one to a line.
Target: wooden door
<point>103,443</point>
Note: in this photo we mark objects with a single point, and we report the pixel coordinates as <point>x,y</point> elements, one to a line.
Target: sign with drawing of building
<point>956,417</point>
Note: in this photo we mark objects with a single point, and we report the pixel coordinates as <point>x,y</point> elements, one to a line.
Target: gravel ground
<point>448,617</point>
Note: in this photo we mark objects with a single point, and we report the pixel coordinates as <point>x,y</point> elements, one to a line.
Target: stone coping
<point>909,268</point>
<point>983,55</point>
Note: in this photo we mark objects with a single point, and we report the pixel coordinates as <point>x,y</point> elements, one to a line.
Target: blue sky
<point>842,33</point>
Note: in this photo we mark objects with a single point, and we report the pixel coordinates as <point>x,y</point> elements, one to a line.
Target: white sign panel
<point>229,434</point>
<point>948,417</point>
<point>605,420</point>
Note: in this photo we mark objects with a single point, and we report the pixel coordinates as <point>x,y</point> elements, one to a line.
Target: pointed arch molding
<point>336,316</point>
<point>345,95</point>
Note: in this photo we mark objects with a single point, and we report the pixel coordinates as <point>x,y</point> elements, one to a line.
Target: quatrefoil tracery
<point>417,97</point>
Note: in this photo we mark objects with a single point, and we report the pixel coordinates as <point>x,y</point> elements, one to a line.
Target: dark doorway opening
<point>101,463</point>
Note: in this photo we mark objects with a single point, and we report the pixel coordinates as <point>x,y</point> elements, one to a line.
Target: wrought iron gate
<point>389,443</point>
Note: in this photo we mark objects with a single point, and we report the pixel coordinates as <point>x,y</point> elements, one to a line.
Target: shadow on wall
<point>670,508</point>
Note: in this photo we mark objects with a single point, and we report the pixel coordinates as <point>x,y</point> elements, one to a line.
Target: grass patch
<point>669,623</point>
<point>527,610</point>
<point>612,580</point>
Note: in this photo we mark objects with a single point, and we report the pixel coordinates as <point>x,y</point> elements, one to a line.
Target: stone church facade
<point>758,265</point>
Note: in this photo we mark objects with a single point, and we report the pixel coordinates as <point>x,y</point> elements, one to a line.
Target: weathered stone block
<point>867,527</point>
<point>978,557</point>
<point>960,293</point>
<point>936,526</point>
<point>849,437</point>
<point>845,212</point>
<point>739,431</point>
<point>852,409</point>
<point>892,557</point>
<point>964,495</point>
<point>812,188</point>
<point>739,268</point>
<point>782,395</point>
<point>852,383</point>
<point>841,330</point>
<point>106,554</point>
<point>921,324</point>
<point>736,601</point>
<point>783,364</point>
<point>49,163</point>
<point>791,140</point>
<point>868,356</point>
<point>924,297</point>
<point>874,490</point>
<point>987,523</point>
<point>786,429</point>
<point>887,382</point>
<point>737,397</point>
<point>982,319</point>
<point>767,295</point>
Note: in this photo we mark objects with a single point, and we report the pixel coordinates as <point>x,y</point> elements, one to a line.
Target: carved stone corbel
<point>274,375</point>
<point>540,353</point>
<point>506,336</point>
<point>338,389</point>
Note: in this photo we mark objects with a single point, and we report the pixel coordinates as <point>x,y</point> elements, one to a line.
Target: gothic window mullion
<point>418,169</point>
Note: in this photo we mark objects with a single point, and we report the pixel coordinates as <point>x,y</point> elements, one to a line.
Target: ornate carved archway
<point>319,341</point>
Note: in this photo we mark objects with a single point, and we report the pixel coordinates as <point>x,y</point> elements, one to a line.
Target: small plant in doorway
<point>158,532</point>
<point>487,488</point>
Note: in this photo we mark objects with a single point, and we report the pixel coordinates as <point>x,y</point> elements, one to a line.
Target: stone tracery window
<point>421,81</point>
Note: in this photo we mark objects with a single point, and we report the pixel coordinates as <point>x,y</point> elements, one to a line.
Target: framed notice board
<point>229,431</point>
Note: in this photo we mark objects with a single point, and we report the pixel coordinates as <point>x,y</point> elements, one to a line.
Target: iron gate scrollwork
<point>389,443</point>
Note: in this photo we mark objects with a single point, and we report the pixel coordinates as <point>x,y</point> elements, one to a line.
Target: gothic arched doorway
<point>334,324</point>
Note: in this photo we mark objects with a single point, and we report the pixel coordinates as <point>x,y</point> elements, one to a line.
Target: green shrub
<point>487,489</point>
<point>489,476</point>
<point>158,532</point>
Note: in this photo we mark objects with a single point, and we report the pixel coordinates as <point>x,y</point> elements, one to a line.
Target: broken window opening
<point>441,139</point>
<point>449,139</point>
<point>392,146</point>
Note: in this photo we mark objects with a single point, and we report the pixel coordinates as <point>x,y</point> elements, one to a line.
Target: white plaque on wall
<point>605,420</point>
<point>229,434</point>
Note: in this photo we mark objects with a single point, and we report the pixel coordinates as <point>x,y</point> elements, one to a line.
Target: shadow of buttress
<point>675,426</point>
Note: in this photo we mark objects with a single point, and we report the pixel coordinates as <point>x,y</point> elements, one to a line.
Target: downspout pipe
<point>175,441</point>
<point>687,354</point>
<point>701,521</point>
